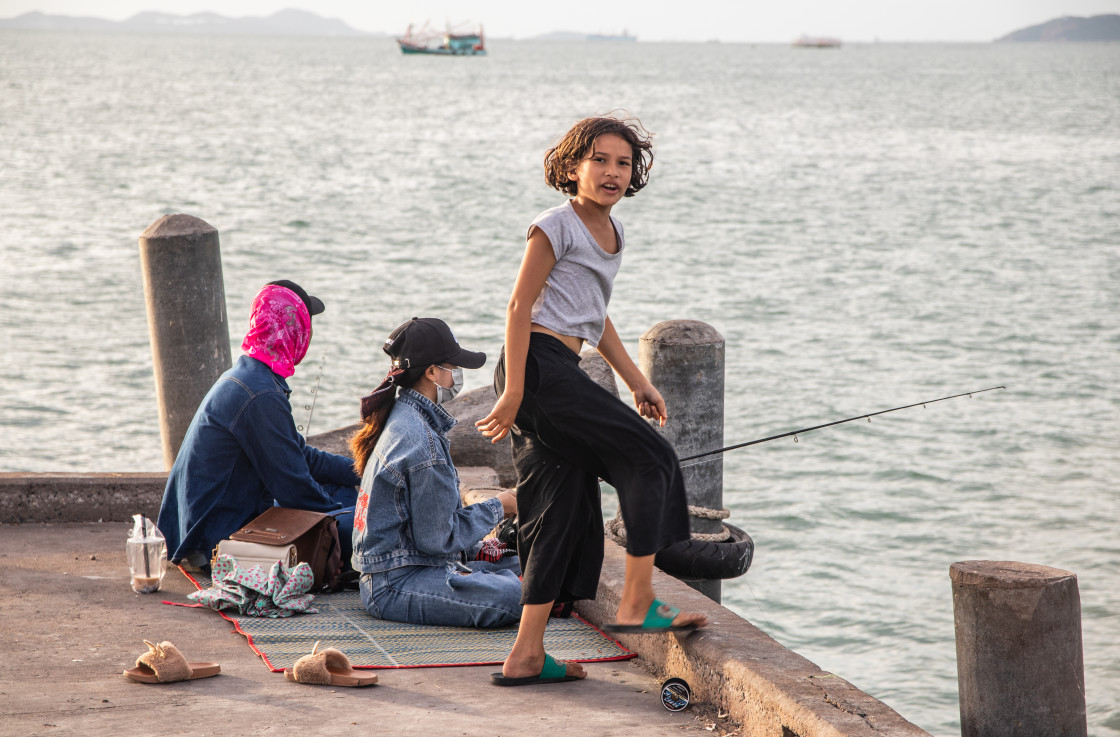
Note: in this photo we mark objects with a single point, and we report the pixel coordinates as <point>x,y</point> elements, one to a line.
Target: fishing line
<point>795,433</point>
<point>314,395</point>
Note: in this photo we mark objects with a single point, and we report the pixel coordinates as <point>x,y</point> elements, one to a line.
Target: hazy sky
<point>652,20</point>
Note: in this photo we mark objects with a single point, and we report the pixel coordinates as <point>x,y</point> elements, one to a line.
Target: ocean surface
<point>867,227</point>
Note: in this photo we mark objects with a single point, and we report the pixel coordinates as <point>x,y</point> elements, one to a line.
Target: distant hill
<point>1070,28</point>
<point>284,23</point>
<point>41,22</point>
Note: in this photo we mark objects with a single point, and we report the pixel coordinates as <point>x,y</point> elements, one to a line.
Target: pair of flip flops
<point>659,618</point>
<point>329,667</point>
<point>163,663</point>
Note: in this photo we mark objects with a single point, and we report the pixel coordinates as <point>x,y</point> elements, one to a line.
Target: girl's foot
<point>518,667</point>
<point>640,610</point>
<point>636,616</point>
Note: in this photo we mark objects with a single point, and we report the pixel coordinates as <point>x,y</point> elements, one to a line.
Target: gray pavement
<point>70,624</point>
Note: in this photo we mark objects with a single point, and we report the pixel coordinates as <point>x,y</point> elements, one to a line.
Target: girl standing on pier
<point>567,431</point>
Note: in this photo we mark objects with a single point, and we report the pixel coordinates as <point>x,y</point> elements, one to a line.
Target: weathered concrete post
<point>1019,660</point>
<point>685,361</point>
<point>186,298</point>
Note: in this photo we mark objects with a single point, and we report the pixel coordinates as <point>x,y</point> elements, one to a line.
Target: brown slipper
<point>328,668</point>
<point>163,663</point>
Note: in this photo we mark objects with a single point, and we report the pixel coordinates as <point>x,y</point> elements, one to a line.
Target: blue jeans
<point>347,496</point>
<point>489,595</point>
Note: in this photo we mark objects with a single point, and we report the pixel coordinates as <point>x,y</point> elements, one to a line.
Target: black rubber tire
<point>695,560</point>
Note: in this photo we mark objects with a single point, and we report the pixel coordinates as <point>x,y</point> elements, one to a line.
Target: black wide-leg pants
<point>569,433</point>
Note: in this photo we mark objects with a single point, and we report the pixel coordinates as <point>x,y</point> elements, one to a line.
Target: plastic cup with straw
<point>147,583</point>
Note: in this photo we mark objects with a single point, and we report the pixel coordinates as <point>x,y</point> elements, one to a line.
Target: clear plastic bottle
<point>147,555</point>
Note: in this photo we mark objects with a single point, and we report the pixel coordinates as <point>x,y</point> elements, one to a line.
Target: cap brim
<point>314,305</point>
<point>468,359</point>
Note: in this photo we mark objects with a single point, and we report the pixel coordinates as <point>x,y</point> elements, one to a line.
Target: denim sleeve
<point>328,468</point>
<point>267,433</point>
<point>440,525</point>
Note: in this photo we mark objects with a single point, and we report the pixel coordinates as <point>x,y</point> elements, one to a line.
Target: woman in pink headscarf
<point>242,453</point>
<point>279,329</point>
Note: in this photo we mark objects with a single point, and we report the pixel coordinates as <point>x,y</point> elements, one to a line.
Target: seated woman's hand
<point>509,502</point>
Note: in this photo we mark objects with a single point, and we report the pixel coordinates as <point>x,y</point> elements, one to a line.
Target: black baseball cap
<point>314,304</point>
<point>423,341</point>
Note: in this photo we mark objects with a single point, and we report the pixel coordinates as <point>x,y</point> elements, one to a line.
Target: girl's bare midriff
<point>571,341</point>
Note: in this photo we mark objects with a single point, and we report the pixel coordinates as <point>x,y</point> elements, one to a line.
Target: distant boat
<point>817,42</point>
<point>446,43</point>
<point>624,36</point>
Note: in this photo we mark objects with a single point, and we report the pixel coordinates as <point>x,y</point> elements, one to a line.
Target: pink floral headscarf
<point>279,329</point>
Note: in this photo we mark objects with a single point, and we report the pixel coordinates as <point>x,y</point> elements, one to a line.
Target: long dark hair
<point>376,407</point>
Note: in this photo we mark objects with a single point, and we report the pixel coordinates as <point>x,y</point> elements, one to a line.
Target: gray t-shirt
<point>575,296</point>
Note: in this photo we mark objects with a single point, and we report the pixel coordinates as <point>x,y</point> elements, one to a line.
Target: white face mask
<point>446,394</point>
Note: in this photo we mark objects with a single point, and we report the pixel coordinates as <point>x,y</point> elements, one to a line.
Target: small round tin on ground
<point>675,694</point>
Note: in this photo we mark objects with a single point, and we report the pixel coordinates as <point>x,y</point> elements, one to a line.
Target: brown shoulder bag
<point>315,535</point>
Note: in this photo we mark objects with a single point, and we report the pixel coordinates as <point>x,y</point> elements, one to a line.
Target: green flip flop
<point>552,672</point>
<point>659,618</point>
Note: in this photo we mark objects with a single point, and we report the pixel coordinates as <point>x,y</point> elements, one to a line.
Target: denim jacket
<point>409,512</point>
<point>242,454</point>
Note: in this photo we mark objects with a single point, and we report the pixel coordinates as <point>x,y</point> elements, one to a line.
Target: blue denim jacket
<point>242,454</point>
<point>409,512</point>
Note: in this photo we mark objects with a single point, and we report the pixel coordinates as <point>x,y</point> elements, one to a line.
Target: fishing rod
<point>314,396</point>
<point>868,416</point>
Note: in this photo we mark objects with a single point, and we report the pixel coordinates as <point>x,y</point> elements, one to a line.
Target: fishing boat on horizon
<point>451,42</point>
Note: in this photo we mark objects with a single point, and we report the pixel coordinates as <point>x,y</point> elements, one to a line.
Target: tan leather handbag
<point>250,555</point>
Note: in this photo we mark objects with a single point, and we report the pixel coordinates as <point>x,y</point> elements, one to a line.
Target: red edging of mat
<point>240,631</point>
<point>274,669</point>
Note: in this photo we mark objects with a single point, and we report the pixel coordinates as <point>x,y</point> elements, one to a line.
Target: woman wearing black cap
<point>414,541</point>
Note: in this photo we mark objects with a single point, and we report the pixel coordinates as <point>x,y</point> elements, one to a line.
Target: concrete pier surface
<point>71,623</point>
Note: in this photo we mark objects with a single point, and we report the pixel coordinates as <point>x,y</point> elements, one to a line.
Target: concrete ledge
<point>27,498</point>
<point>79,497</point>
<point>765,687</point>
<point>768,689</point>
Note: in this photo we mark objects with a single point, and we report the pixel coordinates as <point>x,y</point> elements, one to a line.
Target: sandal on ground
<point>163,663</point>
<point>552,672</point>
<point>659,618</point>
<point>328,667</point>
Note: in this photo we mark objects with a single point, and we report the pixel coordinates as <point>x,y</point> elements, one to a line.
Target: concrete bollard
<point>189,332</point>
<point>1019,659</point>
<point>685,361</point>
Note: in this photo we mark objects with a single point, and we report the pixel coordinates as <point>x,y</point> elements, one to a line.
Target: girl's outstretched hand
<point>496,425</point>
<point>650,403</point>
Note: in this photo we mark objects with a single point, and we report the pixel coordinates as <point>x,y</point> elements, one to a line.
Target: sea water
<point>866,227</point>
